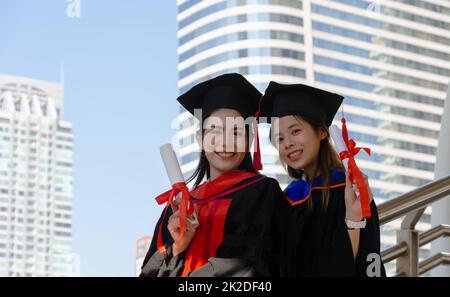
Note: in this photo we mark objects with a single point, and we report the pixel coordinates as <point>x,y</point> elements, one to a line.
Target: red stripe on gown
<point>212,207</point>
<point>208,236</point>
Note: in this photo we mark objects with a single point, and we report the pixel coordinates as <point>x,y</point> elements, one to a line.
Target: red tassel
<point>257,163</point>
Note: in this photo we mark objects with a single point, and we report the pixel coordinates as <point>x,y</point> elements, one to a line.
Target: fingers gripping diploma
<point>178,197</point>
<point>353,207</point>
<point>181,242</point>
<point>347,150</point>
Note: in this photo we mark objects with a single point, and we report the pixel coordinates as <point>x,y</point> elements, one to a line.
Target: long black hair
<point>203,168</point>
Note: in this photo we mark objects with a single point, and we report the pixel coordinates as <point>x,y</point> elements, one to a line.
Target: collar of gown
<point>300,189</point>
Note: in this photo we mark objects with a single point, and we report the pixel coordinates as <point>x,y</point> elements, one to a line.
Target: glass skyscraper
<point>390,59</point>
<point>36,159</point>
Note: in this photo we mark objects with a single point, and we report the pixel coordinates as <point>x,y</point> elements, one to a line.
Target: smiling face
<point>297,142</point>
<point>224,141</point>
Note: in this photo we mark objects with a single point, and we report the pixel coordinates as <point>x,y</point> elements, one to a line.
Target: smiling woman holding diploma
<point>239,213</point>
<point>332,233</point>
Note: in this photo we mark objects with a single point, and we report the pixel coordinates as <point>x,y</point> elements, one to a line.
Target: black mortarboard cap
<point>298,99</point>
<point>225,91</point>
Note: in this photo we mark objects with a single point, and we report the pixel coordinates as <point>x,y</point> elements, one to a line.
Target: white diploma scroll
<point>173,170</point>
<point>336,135</point>
<point>339,143</point>
<point>171,163</point>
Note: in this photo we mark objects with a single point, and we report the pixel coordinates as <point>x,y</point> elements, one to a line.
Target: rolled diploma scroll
<point>174,171</point>
<point>336,135</point>
<point>171,163</point>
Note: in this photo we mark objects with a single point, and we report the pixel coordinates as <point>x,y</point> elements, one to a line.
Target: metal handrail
<point>426,237</point>
<point>434,233</point>
<point>414,200</point>
<point>412,205</point>
<point>394,252</point>
<point>434,261</point>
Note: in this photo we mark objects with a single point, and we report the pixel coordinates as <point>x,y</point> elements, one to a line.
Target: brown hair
<point>327,158</point>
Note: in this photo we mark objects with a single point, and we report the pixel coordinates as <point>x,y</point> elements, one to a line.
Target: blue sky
<point>120,78</point>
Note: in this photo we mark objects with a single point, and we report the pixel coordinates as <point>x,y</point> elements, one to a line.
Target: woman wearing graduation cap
<point>328,235</point>
<point>239,211</point>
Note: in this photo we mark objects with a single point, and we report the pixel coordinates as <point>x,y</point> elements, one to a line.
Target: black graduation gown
<point>319,244</point>
<point>240,231</point>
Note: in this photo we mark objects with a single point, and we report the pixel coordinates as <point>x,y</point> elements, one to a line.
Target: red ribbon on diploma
<point>354,174</point>
<point>185,208</point>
